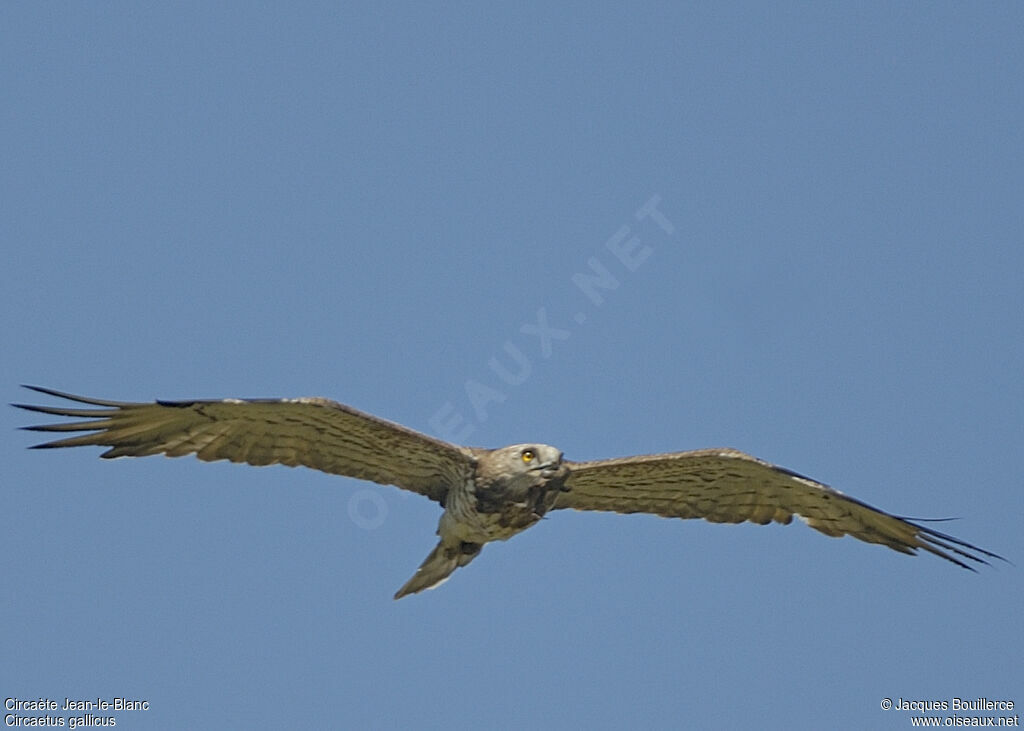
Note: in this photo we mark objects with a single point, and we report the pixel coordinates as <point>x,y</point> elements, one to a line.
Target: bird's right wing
<point>312,432</point>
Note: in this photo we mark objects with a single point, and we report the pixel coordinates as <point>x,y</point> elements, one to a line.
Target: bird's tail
<point>439,565</point>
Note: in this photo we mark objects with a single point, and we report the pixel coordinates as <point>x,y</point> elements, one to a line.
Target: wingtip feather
<point>72,397</point>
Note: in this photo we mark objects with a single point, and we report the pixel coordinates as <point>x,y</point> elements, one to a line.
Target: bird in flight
<point>487,494</point>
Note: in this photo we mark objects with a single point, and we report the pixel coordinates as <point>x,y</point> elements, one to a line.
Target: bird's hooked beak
<point>551,468</point>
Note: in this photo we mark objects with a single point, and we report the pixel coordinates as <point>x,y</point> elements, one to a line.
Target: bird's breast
<point>492,512</point>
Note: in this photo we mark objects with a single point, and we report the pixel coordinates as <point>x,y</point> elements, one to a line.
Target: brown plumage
<point>488,494</point>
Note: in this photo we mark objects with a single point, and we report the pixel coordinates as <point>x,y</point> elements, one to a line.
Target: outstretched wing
<point>312,432</point>
<point>728,486</point>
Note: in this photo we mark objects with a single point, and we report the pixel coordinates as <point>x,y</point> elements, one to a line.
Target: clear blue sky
<point>369,204</point>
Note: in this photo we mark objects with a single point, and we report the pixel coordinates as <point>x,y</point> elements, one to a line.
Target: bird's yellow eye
<point>528,455</point>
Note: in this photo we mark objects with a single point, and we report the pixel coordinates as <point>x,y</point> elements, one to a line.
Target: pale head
<point>521,466</point>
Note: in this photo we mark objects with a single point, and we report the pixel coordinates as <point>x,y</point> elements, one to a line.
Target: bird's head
<point>529,464</point>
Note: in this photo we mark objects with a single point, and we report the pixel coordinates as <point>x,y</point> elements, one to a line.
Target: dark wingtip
<point>38,389</point>
<point>30,407</point>
<point>41,389</point>
<point>1003,559</point>
<point>940,541</point>
<point>73,397</point>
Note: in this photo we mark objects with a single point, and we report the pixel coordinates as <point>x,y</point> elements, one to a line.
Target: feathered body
<point>508,491</point>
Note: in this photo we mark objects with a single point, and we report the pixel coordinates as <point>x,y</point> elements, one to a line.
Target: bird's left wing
<point>312,432</point>
<point>728,486</point>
